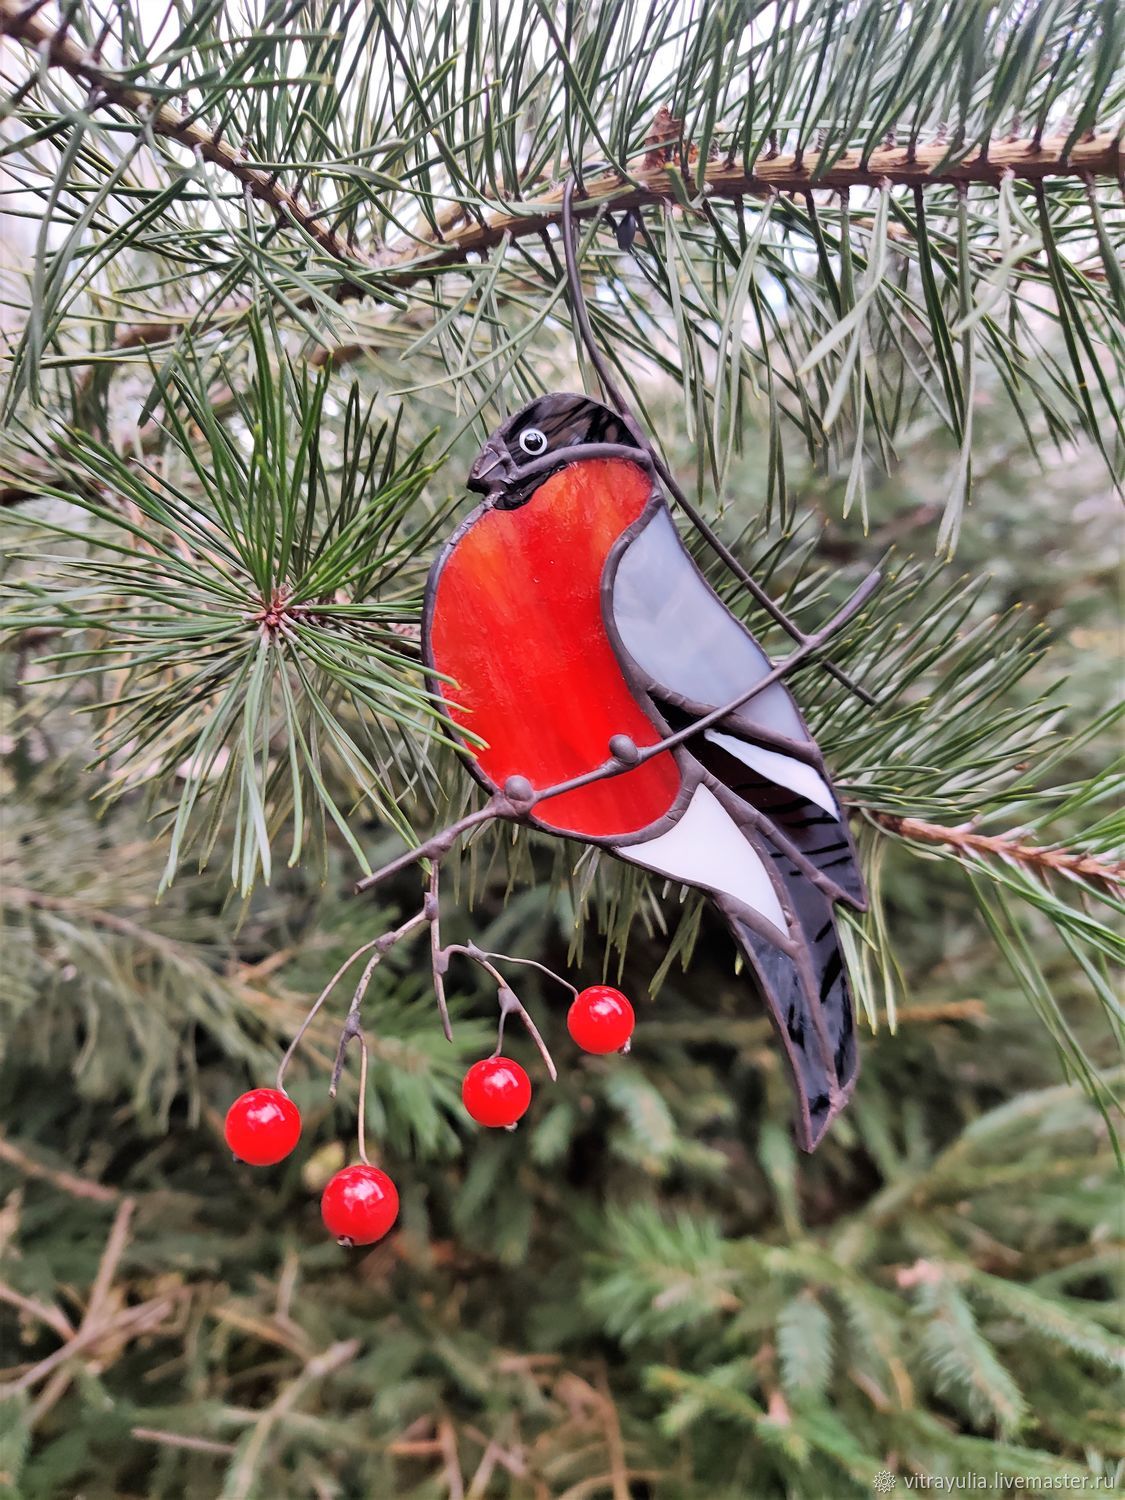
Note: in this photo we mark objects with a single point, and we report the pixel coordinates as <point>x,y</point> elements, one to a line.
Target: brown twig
<point>492,1455</point>
<point>111,1257</point>
<point>43,1312</point>
<point>381,946</point>
<point>614,1443</point>
<point>241,1482</point>
<point>181,1440</point>
<point>67,1182</point>
<point>99,1314</point>
<point>142,1318</point>
<point>942,1010</point>
<point>1007,846</point>
<point>452,1475</point>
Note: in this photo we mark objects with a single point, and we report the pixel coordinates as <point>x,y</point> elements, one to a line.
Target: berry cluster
<point>497,1091</point>
<point>360,1204</point>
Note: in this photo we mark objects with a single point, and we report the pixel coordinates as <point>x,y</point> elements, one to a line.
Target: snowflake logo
<point>885,1482</point>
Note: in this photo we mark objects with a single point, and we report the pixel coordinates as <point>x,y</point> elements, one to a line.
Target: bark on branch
<point>1097,156</point>
<point>1008,846</point>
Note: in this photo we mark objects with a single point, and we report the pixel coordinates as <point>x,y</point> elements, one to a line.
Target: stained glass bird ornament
<point>565,616</point>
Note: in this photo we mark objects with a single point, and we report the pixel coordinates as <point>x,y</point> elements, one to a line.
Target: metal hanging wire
<point>580,318</point>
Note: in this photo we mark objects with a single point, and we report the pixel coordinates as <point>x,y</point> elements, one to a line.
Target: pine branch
<point>657,179</point>
<point>158,330</point>
<point>16,487</point>
<point>53,42</point>
<point>1005,846</point>
<point>927,166</point>
<point>20,898</point>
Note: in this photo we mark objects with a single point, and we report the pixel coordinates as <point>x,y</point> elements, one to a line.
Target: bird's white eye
<point>533,442</point>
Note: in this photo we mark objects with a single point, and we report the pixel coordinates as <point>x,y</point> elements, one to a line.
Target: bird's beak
<point>491,464</point>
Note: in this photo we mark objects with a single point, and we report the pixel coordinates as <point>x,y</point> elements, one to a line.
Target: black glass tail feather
<point>810,1006</point>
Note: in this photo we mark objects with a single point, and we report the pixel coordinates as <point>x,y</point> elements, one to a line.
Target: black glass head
<point>519,455</point>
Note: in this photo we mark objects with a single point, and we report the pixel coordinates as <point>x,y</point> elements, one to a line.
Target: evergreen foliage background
<point>272,272</point>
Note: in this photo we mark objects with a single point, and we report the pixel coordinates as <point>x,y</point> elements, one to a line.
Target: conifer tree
<point>271,273</point>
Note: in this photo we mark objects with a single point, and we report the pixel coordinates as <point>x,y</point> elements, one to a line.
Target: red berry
<point>359,1205</point>
<point>262,1127</point>
<point>496,1091</point>
<point>600,1019</point>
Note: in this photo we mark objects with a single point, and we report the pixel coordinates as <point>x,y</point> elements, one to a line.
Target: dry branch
<point>241,1482</point>
<point>67,1182</point>
<point>181,1440</point>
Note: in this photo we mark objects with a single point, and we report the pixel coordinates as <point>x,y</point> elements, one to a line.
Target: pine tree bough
<point>927,166</point>
<point>1098,154</point>
<point>1005,846</point>
<point>66,1182</point>
<point>28,24</point>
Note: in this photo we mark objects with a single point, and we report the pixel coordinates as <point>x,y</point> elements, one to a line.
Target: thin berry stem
<point>533,963</point>
<point>314,1010</point>
<point>509,1001</point>
<point>382,945</point>
<point>361,1113</point>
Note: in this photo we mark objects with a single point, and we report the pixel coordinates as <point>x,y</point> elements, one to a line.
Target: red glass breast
<point>517,622</point>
